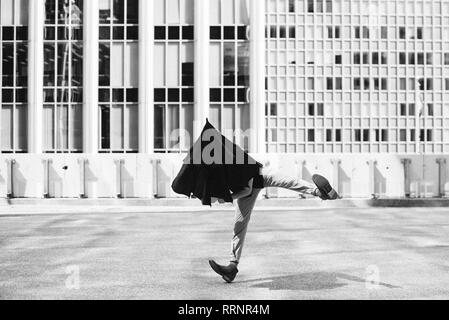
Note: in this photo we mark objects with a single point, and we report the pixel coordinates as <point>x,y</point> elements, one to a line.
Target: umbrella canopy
<point>215,168</point>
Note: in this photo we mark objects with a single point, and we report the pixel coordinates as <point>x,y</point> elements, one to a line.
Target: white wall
<point>146,175</point>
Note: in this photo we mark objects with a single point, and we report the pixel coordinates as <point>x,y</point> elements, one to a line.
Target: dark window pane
<point>8,33</point>
<point>77,95</point>
<point>49,95</point>
<point>229,33</point>
<point>311,135</point>
<point>105,127</point>
<point>173,33</point>
<point>118,95</point>
<point>311,109</point>
<point>132,95</point>
<point>159,95</point>
<point>159,127</point>
<point>173,95</point>
<point>7,95</point>
<point>187,95</point>
<point>119,11</point>
<point>49,33</point>
<point>104,95</point>
<point>77,33</point>
<point>242,33</point>
<point>132,33</point>
<point>21,95</point>
<point>187,74</point>
<point>50,12</point>
<point>133,11</point>
<point>105,33</point>
<point>215,95</point>
<point>104,65</point>
<point>187,33</point>
<point>215,33</point>
<point>241,95</point>
<point>22,33</point>
<point>159,33</point>
<point>119,33</point>
<point>8,65</point>
<point>229,95</point>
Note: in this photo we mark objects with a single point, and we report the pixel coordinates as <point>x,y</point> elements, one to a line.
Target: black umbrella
<point>215,168</point>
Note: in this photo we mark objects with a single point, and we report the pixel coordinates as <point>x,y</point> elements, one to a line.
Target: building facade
<point>104,97</point>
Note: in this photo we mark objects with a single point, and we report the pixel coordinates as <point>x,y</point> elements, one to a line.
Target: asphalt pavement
<point>305,253</point>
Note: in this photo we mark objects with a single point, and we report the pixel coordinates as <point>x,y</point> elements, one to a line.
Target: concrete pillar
<point>336,174</point>
<point>442,176</point>
<point>372,177</point>
<point>90,76</point>
<point>257,76</point>
<point>201,65</point>
<point>407,176</point>
<point>36,13</point>
<point>146,72</point>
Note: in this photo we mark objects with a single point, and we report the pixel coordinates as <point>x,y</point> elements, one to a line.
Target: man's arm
<point>245,192</point>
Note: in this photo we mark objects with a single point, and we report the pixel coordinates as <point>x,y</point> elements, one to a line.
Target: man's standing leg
<point>244,209</point>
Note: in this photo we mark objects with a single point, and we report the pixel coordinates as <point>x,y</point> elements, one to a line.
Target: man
<point>246,200</point>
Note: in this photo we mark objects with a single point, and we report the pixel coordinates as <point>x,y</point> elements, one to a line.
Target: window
<point>366,83</point>
<point>446,58</point>
<point>330,33</point>
<point>366,33</point>
<point>366,58</point>
<point>338,59</point>
<point>337,32</point>
<point>311,109</point>
<point>430,110</point>
<point>14,76</point>
<point>229,69</point>
<point>357,32</point>
<point>402,135</point>
<point>63,77</point>
<point>402,33</point>
<point>357,85</point>
<point>329,6</point>
<point>310,6</point>
<point>118,79</point>
<point>384,32</point>
<point>357,58</point>
<point>402,84</point>
<point>311,135</point>
<point>291,6</point>
<point>384,58</point>
<point>338,84</point>
<point>419,33</point>
<point>402,58</point>
<point>292,32</point>
<point>330,83</point>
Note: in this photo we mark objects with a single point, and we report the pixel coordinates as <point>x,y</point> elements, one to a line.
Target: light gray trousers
<point>245,206</point>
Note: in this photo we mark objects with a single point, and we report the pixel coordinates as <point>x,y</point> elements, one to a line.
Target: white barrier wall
<point>146,176</point>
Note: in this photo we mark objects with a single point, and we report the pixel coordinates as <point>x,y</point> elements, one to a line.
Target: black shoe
<point>325,190</point>
<point>228,273</point>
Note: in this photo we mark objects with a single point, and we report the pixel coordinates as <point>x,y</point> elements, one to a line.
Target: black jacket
<point>215,168</point>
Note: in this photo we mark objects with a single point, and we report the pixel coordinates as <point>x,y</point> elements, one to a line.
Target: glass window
<point>119,77</point>
<point>14,76</point>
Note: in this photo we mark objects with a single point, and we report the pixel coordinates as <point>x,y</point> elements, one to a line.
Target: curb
<point>170,204</point>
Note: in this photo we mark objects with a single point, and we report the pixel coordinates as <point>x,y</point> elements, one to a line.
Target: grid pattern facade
<point>357,76</point>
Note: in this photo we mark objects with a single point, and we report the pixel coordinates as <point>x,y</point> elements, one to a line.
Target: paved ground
<point>296,254</point>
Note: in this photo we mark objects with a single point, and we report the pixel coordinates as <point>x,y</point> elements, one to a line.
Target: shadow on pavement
<point>308,282</point>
